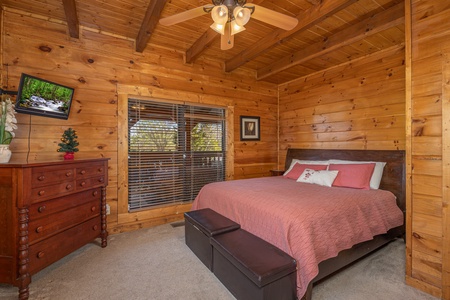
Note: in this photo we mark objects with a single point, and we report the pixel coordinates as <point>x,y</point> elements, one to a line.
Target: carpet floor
<point>155,263</point>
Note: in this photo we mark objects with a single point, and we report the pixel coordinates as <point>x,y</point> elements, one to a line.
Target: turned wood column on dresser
<point>48,210</point>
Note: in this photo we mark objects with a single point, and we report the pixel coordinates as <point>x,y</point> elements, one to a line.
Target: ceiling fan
<point>230,16</point>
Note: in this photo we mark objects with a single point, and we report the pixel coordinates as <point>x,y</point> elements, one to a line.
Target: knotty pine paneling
<point>428,205</point>
<point>428,266</point>
<point>428,244</point>
<point>427,224</point>
<point>360,105</point>
<point>95,65</point>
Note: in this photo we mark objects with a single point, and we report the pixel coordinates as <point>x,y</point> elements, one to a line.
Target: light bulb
<point>235,28</point>
<point>241,15</point>
<point>219,28</point>
<point>220,14</point>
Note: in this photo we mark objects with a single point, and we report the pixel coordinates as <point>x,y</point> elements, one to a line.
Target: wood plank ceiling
<point>329,32</point>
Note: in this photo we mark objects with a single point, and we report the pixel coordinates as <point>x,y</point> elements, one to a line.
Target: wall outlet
<point>108,209</point>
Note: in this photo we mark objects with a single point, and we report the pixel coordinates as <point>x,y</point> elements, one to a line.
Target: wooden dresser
<point>48,210</point>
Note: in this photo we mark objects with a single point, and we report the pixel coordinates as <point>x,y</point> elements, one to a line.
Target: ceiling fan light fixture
<point>219,28</point>
<point>235,28</point>
<point>230,17</point>
<point>241,15</point>
<point>220,14</point>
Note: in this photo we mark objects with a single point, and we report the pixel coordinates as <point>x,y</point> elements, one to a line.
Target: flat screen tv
<point>41,97</point>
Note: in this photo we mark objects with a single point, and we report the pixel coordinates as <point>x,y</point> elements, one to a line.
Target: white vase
<point>5,154</point>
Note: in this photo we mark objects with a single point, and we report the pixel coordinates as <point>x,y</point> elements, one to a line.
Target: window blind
<point>173,151</point>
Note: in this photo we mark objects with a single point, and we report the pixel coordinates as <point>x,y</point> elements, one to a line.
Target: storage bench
<point>200,226</point>
<point>253,269</point>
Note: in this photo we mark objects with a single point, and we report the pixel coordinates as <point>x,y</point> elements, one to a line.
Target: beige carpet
<point>155,263</point>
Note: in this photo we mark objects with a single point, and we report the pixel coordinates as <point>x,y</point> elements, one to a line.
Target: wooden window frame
<point>156,215</point>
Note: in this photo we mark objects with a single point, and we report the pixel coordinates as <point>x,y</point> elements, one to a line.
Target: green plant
<point>7,121</point>
<point>69,142</point>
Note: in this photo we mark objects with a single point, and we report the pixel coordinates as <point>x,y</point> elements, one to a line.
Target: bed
<point>280,211</point>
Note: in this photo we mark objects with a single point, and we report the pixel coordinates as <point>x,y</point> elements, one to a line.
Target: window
<point>173,151</point>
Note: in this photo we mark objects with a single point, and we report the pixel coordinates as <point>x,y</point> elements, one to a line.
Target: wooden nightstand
<point>276,172</point>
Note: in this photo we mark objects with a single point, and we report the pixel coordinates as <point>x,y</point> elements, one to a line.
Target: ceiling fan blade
<point>274,18</point>
<point>227,40</point>
<point>184,16</point>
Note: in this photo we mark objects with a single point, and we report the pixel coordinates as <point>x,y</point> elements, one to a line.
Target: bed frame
<point>393,180</point>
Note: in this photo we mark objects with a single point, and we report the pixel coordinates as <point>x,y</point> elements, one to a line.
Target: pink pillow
<point>298,169</point>
<point>353,175</point>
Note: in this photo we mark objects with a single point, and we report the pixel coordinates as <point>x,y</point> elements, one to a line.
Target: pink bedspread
<point>310,222</point>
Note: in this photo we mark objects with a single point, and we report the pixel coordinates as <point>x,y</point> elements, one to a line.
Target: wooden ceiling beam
<point>70,9</point>
<point>306,20</point>
<point>149,22</point>
<point>391,17</point>
<point>206,40</point>
<point>201,45</point>
<point>314,2</point>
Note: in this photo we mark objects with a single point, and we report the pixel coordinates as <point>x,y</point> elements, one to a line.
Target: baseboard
<point>424,287</point>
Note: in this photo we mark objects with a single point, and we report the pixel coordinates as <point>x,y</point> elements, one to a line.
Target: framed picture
<point>250,128</point>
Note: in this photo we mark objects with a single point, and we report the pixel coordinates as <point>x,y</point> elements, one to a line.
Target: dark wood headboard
<point>394,175</point>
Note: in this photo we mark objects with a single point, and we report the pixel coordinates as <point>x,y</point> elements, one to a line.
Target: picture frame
<point>250,128</point>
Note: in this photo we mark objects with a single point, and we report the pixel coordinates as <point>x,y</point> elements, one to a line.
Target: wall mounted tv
<point>41,97</point>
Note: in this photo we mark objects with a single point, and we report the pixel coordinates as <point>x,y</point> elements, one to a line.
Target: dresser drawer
<point>90,170</point>
<point>44,176</point>
<point>52,249</point>
<point>43,209</point>
<point>52,224</point>
<point>87,183</point>
<point>43,193</point>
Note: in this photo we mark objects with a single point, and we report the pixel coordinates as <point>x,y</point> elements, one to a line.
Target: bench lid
<point>210,222</point>
<point>259,260</point>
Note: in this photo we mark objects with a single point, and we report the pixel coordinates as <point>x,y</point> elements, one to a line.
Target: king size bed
<point>324,228</point>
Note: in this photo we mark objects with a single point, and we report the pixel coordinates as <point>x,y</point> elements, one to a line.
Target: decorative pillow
<point>298,169</point>
<point>321,177</point>
<point>377,172</point>
<point>353,175</point>
<point>305,162</point>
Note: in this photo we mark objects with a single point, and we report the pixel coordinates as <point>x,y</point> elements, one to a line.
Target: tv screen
<point>41,97</point>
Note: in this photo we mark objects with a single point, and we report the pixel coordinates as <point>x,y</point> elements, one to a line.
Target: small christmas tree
<point>69,142</point>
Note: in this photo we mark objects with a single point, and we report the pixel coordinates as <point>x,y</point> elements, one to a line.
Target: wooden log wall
<point>96,65</point>
<point>428,252</point>
<point>358,105</point>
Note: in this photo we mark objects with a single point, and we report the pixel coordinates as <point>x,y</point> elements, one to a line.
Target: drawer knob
<point>40,254</point>
<point>68,187</point>
<point>41,208</point>
<point>68,174</point>
<point>100,169</point>
<point>41,193</point>
<point>42,177</point>
<point>94,227</point>
<point>100,179</point>
<point>93,208</point>
<point>94,193</point>
<point>39,229</point>
<point>82,172</point>
<point>83,183</point>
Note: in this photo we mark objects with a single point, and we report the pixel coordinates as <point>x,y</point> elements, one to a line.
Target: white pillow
<point>377,171</point>
<point>321,177</point>
<point>305,162</point>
